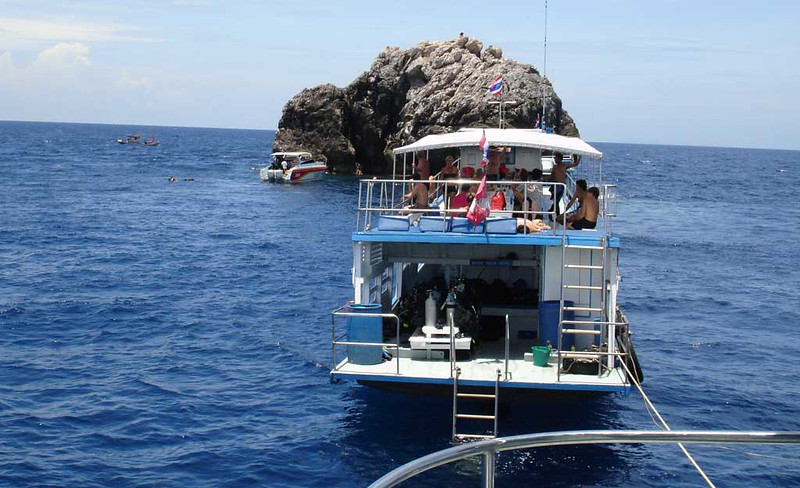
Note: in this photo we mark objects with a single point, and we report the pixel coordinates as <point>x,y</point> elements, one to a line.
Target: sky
<point>693,72</point>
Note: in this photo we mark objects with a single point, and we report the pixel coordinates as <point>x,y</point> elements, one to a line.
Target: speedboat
<point>151,142</point>
<point>292,167</point>
<point>130,139</point>
<point>485,303</point>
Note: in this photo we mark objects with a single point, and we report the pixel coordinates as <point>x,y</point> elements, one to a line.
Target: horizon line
<point>276,130</point>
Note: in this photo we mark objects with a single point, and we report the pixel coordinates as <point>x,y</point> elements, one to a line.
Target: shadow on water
<point>386,429</point>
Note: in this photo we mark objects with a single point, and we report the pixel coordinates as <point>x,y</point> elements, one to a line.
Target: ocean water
<point>178,334</point>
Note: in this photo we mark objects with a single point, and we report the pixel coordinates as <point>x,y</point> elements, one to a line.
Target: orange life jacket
<point>498,201</point>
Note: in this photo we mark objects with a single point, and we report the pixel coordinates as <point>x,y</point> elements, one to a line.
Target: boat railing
<point>339,340</point>
<point>598,355</point>
<point>609,198</point>
<point>488,449</point>
<point>385,197</point>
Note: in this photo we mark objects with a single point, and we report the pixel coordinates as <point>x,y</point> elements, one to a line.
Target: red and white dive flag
<point>484,145</point>
<point>496,87</point>
<point>478,210</point>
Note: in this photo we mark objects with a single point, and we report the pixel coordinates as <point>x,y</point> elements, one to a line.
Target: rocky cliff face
<point>433,87</point>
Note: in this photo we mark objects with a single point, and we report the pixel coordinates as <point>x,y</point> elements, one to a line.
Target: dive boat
<point>505,307</point>
<point>292,167</point>
<point>130,139</point>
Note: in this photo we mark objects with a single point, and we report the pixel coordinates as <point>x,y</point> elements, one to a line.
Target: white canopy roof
<point>533,138</point>
<point>292,154</point>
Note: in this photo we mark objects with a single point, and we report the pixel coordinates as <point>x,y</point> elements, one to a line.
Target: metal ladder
<point>569,326</point>
<point>482,396</point>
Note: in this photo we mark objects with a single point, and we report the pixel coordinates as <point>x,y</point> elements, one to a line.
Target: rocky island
<point>433,87</point>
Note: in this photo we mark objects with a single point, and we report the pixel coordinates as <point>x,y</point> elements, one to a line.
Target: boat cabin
<point>514,302</point>
<point>291,159</point>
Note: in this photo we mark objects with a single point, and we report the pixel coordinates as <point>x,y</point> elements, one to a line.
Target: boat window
<point>396,272</point>
<point>374,289</point>
<point>386,280</point>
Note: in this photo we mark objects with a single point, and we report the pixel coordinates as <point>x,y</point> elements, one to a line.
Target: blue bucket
<point>548,324</point>
<point>364,329</point>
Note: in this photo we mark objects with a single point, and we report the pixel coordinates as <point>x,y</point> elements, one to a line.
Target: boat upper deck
<point>587,237</point>
<point>384,217</point>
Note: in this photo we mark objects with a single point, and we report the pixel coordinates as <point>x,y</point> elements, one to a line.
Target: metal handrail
<point>508,348</point>
<point>365,199</point>
<point>338,313</point>
<point>488,449</point>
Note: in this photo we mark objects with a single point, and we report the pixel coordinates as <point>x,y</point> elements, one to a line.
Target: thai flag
<point>496,87</point>
<point>484,145</point>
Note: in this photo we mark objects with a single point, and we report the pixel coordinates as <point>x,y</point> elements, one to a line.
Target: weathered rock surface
<point>433,87</point>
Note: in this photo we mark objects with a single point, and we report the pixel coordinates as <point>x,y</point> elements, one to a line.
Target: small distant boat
<point>131,139</point>
<point>292,167</point>
<point>151,142</point>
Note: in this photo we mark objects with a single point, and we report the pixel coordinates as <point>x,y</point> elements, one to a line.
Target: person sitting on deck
<point>449,171</point>
<point>559,175</point>
<point>586,218</point>
<point>450,192</point>
<point>418,195</point>
<point>525,205</point>
<point>580,191</point>
<point>460,203</point>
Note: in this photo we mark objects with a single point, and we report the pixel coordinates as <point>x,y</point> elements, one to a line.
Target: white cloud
<point>62,57</point>
<point>63,69</point>
<point>19,33</point>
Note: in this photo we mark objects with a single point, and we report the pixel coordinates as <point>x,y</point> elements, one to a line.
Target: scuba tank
<point>450,308</point>
<point>431,308</point>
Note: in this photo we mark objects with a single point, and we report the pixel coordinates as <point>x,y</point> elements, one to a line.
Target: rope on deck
<point>651,409</point>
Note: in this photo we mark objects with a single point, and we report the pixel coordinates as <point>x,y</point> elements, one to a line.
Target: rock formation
<point>433,87</point>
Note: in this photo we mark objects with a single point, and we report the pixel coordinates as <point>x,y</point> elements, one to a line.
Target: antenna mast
<point>544,70</point>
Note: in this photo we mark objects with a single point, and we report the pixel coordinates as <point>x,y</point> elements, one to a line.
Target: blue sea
<point>158,334</point>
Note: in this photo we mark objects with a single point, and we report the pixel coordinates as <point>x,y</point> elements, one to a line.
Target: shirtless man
<point>580,191</point>
<point>423,167</point>
<point>559,175</point>
<point>586,218</point>
<point>493,168</point>
<point>418,194</point>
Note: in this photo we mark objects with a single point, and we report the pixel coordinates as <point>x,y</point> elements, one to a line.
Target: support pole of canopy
<point>544,71</point>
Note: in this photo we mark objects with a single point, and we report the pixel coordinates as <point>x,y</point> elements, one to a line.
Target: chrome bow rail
<point>489,448</point>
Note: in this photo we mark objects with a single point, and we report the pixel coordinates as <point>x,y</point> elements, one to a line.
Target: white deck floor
<point>481,371</point>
